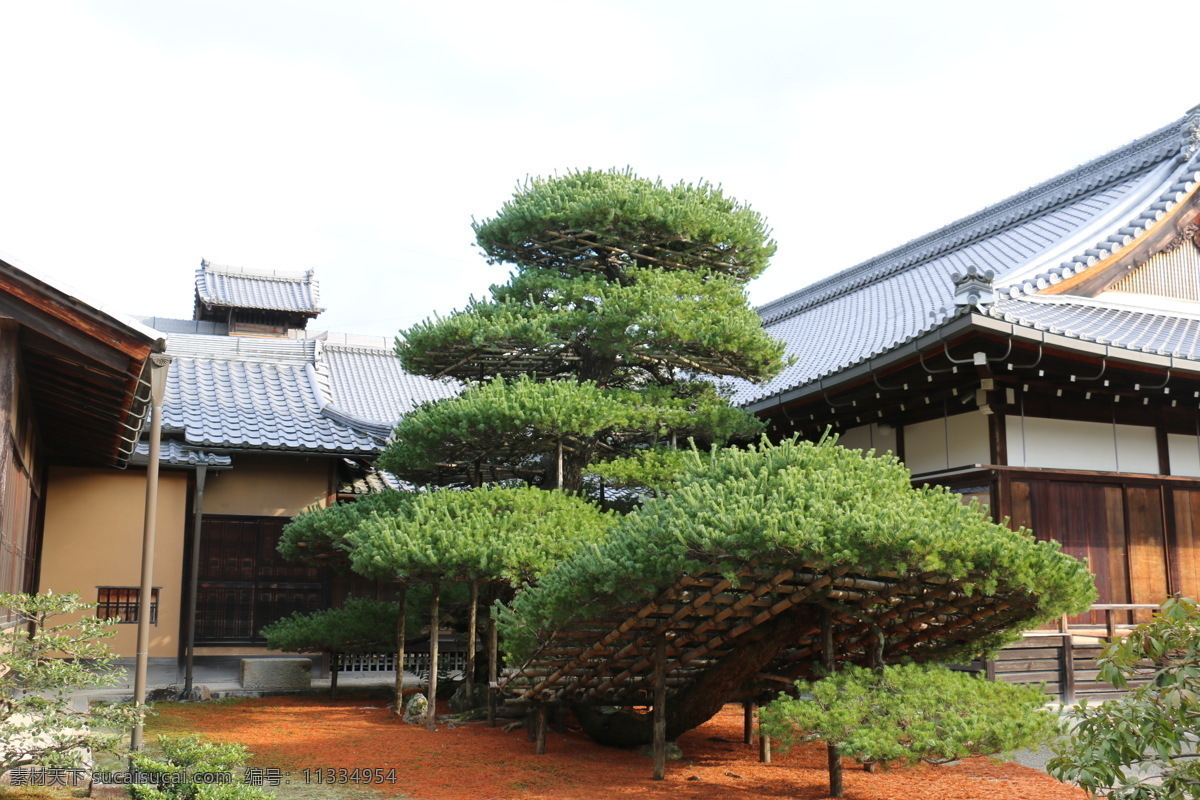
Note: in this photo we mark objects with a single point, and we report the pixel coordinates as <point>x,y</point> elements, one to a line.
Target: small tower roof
<point>220,286</point>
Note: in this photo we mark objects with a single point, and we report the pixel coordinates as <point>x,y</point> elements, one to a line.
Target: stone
<point>674,751</point>
<point>198,694</point>
<point>165,693</point>
<point>460,703</point>
<point>276,673</point>
<point>415,710</point>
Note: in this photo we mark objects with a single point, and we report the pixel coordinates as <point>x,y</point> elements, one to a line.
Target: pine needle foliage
<point>360,626</point>
<point>318,535</point>
<point>619,284</point>
<point>696,224</point>
<point>794,504</point>
<point>490,534</point>
<point>909,713</point>
<point>507,424</point>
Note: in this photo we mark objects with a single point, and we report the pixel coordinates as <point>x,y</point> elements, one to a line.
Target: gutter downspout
<point>158,382</point>
<point>193,580</point>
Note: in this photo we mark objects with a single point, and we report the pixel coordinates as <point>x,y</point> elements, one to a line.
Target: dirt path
<point>475,762</point>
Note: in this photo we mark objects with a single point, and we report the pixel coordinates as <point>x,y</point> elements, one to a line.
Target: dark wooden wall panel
<point>1186,551</point>
<point>1147,547</point>
<point>1079,516</point>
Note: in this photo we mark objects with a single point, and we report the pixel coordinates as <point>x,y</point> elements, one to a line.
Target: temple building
<point>1041,356</point>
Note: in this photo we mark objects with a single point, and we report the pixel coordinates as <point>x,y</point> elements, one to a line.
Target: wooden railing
<point>1064,659</point>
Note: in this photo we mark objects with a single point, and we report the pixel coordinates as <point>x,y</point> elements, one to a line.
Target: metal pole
<point>194,578</point>
<point>158,383</point>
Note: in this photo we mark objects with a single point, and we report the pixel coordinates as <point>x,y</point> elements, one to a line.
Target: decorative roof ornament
<point>1191,134</point>
<point>973,287</point>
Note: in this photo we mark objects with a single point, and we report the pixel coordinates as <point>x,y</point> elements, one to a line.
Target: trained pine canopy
<point>763,540</point>
<point>621,286</point>
<point>499,430</point>
<point>607,221</point>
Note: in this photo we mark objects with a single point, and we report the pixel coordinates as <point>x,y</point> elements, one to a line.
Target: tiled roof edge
<point>1179,190</point>
<point>1170,140</point>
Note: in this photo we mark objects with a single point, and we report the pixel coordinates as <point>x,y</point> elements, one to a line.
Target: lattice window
<point>123,602</point>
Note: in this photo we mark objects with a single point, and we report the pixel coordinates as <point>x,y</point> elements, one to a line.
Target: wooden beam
<point>84,343</point>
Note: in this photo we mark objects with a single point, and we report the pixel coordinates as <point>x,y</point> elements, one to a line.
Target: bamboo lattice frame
<point>609,659</point>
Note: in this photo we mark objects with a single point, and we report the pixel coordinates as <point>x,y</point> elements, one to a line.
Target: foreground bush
<point>1142,746</point>
<point>184,772</point>
<point>42,661</point>
<point>910,713</point>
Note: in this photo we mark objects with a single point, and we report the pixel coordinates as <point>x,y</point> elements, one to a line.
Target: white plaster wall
<point>880,438</point>
<point>1069,444</point>
<point>1184,454</point>
<point>939,444</point>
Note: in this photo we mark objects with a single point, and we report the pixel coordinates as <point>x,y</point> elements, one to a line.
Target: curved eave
<point>1125,244</point>
<point>973,322</point>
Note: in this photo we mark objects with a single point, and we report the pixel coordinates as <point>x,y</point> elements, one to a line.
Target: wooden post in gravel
<point>472,628</point>
<point>660,707</point>
<point>402,602</point>
<point>748,711</point>
<point>764,749</point>
<point>827,658</point>
<point>493,669</point>
<point>540,730</point>
<point>431,713</point>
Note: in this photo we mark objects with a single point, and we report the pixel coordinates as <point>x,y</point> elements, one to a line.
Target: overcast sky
<point>360,138</point>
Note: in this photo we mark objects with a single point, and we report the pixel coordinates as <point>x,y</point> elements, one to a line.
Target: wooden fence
<point>1065,659</point>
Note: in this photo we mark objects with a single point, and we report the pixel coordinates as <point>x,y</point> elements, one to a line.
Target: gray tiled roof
<point>369,383</point>
<point>236,287</point>
<point>1160,332</point>
<point>303,395</point>
<point>173,453</point>
<point>1030,241</point>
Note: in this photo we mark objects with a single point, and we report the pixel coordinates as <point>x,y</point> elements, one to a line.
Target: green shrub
<point>910,713</point>
<point>1154,729</point>
<point>173,775</point>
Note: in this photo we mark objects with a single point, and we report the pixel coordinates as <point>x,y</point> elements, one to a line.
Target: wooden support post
<point>539,747</point>
<point>493,669</point>
<point>830,663</point>
<point>336,662</point>
<point>434,596</point>
<point>472,629</point>
<point>660,708</point>
<point>1110,624</point>
<point>764,749</point>
<point>1067,662</point>
<point>748,710</point>
<point>402,601</point>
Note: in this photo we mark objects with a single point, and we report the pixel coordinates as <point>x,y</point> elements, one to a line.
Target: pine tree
<point>627,298</point>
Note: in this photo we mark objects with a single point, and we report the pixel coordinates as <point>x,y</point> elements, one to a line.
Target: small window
<point>123,603</point>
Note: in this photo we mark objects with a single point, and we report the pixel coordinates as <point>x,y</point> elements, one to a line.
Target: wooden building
<point>261,419</point>
<point>1041,356</point>
<point>73,394</point>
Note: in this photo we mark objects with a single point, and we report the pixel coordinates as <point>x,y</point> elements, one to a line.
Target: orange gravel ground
<point>475,762</point>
